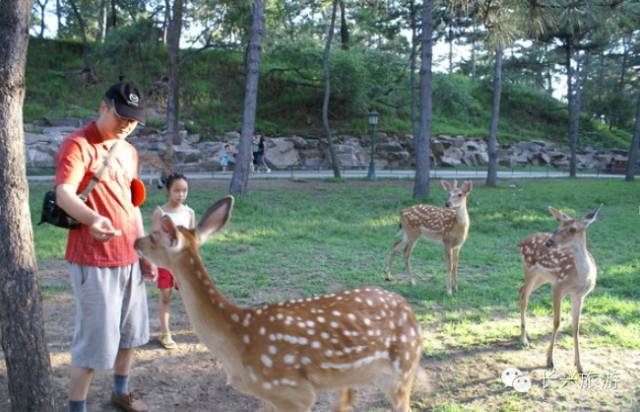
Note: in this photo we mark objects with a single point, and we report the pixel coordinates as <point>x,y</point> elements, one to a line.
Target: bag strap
<point>95,179</point>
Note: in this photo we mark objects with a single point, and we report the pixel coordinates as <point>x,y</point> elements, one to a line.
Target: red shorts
<point>165,279</point>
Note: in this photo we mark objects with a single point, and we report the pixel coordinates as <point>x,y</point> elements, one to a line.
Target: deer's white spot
<point>315,344</point>
<point>320,319</point>
<point>263,330</point>
<point>289,359</point>
<point>273,350</point>
<point>351,316</point>
<point>267,385</point>
<point>246,339</point>
<point>333,324</point>
<point>266,361</point>
<point>235,317</point>
<point>336,313</point>
<point>305,360</point>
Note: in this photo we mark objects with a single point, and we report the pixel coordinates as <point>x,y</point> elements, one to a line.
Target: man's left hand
<point>149,270</point>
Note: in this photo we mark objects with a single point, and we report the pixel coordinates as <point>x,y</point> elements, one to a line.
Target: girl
<point>182,215</point>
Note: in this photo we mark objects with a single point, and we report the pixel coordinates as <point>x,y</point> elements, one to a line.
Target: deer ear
<point>170,230</point>
<point>215,218</point>
<point>467,186</point>
<point>590,217</point>
<point>446,185</point>
<point>560,217</point>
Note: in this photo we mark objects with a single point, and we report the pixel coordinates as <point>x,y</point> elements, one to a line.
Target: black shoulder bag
<point>55,215</point>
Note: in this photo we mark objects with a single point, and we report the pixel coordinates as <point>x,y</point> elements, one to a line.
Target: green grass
<point>323,236</point>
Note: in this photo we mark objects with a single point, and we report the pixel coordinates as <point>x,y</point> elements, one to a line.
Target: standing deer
<point>284,353</point>
<point>562,259</point>
<point>448,226</point>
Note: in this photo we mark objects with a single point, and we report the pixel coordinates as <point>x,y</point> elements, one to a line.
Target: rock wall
<point>397,151</point>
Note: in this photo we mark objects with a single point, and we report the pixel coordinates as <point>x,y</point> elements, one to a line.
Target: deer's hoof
<point>550,364</point>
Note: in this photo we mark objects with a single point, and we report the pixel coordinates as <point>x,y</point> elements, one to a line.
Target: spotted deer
<point>448,226</point>
<point>154,168</point>
<point>562,259</point>
<point>284,353</point>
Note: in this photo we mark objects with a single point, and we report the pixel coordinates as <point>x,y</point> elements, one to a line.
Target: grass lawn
<point>292,239</point>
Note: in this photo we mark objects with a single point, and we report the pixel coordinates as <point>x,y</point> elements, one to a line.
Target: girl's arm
<point>192,224</point>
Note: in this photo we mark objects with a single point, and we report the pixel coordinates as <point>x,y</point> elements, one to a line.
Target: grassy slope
<point>213,93</point>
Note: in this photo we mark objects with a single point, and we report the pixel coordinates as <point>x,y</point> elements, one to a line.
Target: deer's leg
<point>345,400</point>
<point>448,255</point>
<point>408,251</point>
<point>400,394</point>
<point>576,309</point>
<point>454,264</point>
<point>557,298</point>
<point>394,249</point>
<point>531,283</point>
<point>298,399</point>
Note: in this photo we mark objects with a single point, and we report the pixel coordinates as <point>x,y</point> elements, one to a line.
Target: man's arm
<point>100,227</point>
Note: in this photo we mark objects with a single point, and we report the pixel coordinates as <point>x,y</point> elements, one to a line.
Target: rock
<point>41,155</point>
<point>232,135</point>
<point>281,153</point>
<point>447,161</point>
<point>437,148</point>
<point>64,122</point>
<point>390,146</point>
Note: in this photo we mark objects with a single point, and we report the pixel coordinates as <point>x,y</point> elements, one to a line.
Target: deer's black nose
<point>447,204</point>
<point>549,243</point>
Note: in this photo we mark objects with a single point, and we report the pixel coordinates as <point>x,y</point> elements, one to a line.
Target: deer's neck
<point>462,217</point>
<point>585,265</point>
<point>213,317</point>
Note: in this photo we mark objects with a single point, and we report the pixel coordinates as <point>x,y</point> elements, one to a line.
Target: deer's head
<point>167,245</point>
<point>457,195</point>
<point>570,230</point>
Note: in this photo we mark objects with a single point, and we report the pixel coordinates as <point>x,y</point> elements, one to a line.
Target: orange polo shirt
<point>79,157</point>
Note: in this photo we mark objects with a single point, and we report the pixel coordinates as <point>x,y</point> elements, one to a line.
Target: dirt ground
<point>189,379</point>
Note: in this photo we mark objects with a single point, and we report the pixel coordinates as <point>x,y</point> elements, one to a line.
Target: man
<point>105,271</point>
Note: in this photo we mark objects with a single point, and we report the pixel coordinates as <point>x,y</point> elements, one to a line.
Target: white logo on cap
<point>133,98</point>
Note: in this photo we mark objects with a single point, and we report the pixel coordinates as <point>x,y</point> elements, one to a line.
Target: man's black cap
<point>128,101</point>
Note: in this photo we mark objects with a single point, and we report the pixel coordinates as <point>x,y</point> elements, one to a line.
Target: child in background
<point>177,188</point>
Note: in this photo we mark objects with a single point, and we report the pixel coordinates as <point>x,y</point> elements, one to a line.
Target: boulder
<point>281,153</point>
<point>73,122</point>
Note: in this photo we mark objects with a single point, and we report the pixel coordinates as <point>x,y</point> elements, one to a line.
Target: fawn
<point>285,352</point>
<point>449,226</point>
<point>562,259</point>
<point>154,167</point>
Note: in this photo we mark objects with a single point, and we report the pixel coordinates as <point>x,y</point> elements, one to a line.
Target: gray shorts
<point>111,313</point>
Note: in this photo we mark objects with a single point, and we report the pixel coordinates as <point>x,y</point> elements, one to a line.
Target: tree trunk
<point>450,48</point>
<point>574,120</point>
<point>58,18</point>
<point>421,183</point>
<point>85,43</point>
<point>173,103</point>
<point>633,150</point>
<point>327,92</point>
<point>492,172</point>
<point>43,9</point>
<point>102,22</point>
<point>412,64</point>
<point>240,176</point>
<point>114,14</point>
<point>165,23</point>
<point>572,144</point>
<point>344,28</point>
<point>21,320</point>
<point>473,58</point>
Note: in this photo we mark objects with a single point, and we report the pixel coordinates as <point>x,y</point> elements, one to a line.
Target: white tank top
<point>181,218</point>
